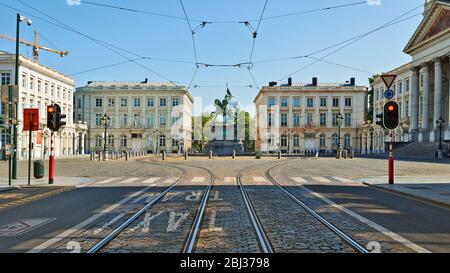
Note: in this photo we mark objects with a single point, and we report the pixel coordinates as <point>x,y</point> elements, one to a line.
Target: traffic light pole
<point>391,160</point>
<point>51,162</point>
<point>30,146</point>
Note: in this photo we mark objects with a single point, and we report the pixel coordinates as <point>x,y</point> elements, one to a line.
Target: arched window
<point>123,141</point>
<point>296,141</point>
<point>335,140</point>
<point>284,141</point>
<point>323,140</point>
<point>162,141</point>
<point>347,141</point>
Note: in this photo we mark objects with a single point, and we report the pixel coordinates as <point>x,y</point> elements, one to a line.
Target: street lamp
<point>371,130</point>
<point>440,124</point>
<point>156,134</point>
<point>105,122</point>
<point>339,120</point>
<point>16,82</point>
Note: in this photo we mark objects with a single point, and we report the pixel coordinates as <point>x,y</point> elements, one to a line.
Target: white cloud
<point>374,2</point>
<point>73,2</point>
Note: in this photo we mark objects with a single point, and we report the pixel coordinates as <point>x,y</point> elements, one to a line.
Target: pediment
<point>435,24</point>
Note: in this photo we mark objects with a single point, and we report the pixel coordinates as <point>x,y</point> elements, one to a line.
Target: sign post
<point>389,94</point>
<point>30,124</point>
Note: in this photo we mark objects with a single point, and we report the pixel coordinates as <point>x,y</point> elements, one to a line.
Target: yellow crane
<point>35,45</point>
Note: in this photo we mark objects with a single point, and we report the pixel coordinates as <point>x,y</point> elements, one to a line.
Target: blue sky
<point>168,38</point>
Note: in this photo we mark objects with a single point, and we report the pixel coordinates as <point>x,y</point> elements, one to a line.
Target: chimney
<point>290,81</point>
<point>352,81</point>
<point>272,84</point>
<point>314,81</point>
<point>145,81</point>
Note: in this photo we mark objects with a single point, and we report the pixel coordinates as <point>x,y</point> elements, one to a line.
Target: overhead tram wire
<point>392,22</point>
<point>99,42</point>
<point>103,67</point>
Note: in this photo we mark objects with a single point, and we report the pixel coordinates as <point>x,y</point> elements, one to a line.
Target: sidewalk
<point>434,190</point>
<point>59,181</point>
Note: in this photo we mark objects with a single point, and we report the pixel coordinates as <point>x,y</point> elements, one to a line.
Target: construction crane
<point>35,45</point>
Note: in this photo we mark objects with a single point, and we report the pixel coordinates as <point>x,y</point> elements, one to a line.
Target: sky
<point>169,37</point>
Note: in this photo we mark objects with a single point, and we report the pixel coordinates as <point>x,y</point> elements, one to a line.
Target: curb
<point>409,195</point>
<point>8,189</point>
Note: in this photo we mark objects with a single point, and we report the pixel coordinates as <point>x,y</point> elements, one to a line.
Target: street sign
<point>389,94</point>
<point>9,149</point>
<point>388,80</point>
<point>33,114</point>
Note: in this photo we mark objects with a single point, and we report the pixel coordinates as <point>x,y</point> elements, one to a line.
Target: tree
<point>197,145</point>
<point>371,98</point>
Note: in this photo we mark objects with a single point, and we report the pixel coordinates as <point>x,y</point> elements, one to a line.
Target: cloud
<point>73,2</point>
<point>374,2</point>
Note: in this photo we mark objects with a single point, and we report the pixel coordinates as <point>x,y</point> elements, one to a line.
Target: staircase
<point>420,149</point>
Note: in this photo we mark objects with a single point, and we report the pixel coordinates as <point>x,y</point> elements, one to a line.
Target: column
<point>414,103</point>
<point>437,98</point>
<point>426,103</point>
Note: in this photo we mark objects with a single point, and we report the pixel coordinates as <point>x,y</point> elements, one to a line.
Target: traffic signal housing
<point>59,118</point>
<point>51,118</point>
<point>380,121</point>
<point>391,115</point>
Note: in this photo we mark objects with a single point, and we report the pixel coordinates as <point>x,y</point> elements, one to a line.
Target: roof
<point>129,84</point>
<point>320,84</point>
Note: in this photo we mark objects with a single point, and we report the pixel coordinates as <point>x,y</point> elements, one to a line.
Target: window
<point>175,120</point>
<point>123,141</point>
<point>284,119</point>
<point>296,102</point>
<point>111,141</point>
<point>323,140</point>
<point>32,83</point>
<point>377,92</point>
<point>271,102</point>
<point>284,102</point>
<point>111,102</point>
<point>348,102</point>
<point>348,119</point>
<point>58,92</point>
<point>284,141</point>
<point>123,120</point>
<point>112,121</point>
<point>123,102</point>
<point>335,102</point>
<point>335,123</point>
<point>323,102</point>
<point>137,120</point>
<point>52,90</point>
<point>296,119</point>
<point>78,103</point>
<point>296,140</point>
<point>149,120</point>
<point>162,119</point>
<point>98,141</point>
<point>309,119</point>
<point>98,102</point>
<point>175,102</point>
<point>24,81</point>
<point>310,102</point>
<point>407,108</point>
<point>162,102</point>
<point>150,102</point>
<point>323,119</point>
<point>46,88</point>
<point>5,78</point>
<point>137,102</point>
<point>98,120</point>
<point>347,141</point>
<point>335,140</point>
<point>64,93</point>
<point>400,87</point>
<point>162,141</point>
<point>270,120</point>
<point>407,85</point>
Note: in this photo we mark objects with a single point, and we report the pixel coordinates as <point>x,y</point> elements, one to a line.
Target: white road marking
<point>109,180</point>
<point>343,179</point>
<point>115,219</point>
<point>321,179</point>
<point>129,180</point>
<point>372,224</point>
<point>198,180</point>
<point>299,180</point>
<point>174,224</point>
<point>83,224</point>
<point>259,179</point>
<point>230,179</point>
<point>151,180</point>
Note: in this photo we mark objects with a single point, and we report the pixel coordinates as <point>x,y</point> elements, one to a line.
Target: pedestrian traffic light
<point>51,118</point>
<point>380,121</point>
<point>391,115</point>
<point>59,117</point>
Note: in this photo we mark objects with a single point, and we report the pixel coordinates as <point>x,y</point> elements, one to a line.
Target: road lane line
<point>129,180</point>
<point>151,180</point>
<point>259,179</point>
<point>198,179</point>
<point>370,223</point>
<point>83,224</point>
<point>299,179</point>
<point>343,179</point>
<point>230,179</point>
<point>321,179</point>
<point>109,180</point>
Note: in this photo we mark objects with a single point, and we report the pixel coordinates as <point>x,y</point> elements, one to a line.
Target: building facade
<point>144,116</point>
<point>299,117</point>
<point>40,86</point>
<point>422,86</point>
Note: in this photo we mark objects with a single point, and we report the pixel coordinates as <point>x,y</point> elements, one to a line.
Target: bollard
<point>234,154</point>
<point>279,155</point>
<point>185,155</point>
<point>163,155</point>
<point>210,154</point>
<point>91,158</point>
<point>126,156</point>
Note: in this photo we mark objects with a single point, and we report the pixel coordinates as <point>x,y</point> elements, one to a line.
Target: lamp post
<point>156,134</point>
<point>440,124</point>
<point>16,82</point>
<point>371,130</point>
<point>289,134</point>
<point>105,122</point>
<point>340,120</point>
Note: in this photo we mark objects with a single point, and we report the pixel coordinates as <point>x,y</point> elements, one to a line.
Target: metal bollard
<point>234,154</point>
<point>185,155</point>
<point>279,155</point>
<point>163,155</point>
<point>210,154</point>
<point>126,156</point>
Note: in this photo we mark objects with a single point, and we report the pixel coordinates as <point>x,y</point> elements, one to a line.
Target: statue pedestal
<point>224,147</point>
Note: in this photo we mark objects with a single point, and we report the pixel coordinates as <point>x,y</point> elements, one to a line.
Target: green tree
<point>370,98</point>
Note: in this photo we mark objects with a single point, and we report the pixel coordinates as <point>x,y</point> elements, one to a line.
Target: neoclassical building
<point>299,117</point>
<point>144,116</point>
<point>422,86</point>
<point>40,86</point>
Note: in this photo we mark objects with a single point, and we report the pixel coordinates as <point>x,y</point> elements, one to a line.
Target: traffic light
<point>391,115</point>
<point>59,117</point>
<point>380,121</point>
<point>51,118</point>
